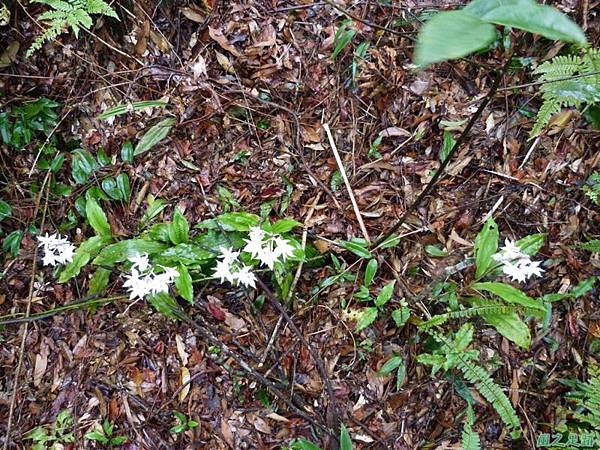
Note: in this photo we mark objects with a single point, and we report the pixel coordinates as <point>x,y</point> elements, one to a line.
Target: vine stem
<point>438,174</point>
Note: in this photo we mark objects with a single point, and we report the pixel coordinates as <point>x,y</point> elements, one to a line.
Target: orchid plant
<point>166,257</point>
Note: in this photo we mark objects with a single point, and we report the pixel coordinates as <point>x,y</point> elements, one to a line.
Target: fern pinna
<point>66,14</point>
<point>569,80</point>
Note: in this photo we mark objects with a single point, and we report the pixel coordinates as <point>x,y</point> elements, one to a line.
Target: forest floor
<point>251,85</point>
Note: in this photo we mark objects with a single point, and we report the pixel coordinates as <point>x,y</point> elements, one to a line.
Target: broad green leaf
<point>385,294</point>
<point>400,376</point>
<point>366,317</point>
<point>102,158</point>
<point>86,251</point>
<point>486,244</point>
<point>129,107</point>
<point>154,135</point>
<point>508,324</point>
<point>583,287</point>
<point>358,247</point>
<point>342,38</point>
<point>109,185</point>
<point>159,232</point>
<point>5,210</point>
<point>97,436</point>
<point>188,254</point>
<point>284,226</point>
<point>57,162</point>
<point>235,221</point>
<point>370,272</point>
<point>127,152</point>
<point>97,218</point>
<point>164,304</point>
<point>480,7</point>
<point>390,365</point>
<point>12,242</point>
<point>531,16</point>
<point>345,440</point>
<point>452,34</point>
<point>303,444</point>
<point>179,228</point>
<point>183,283</point>
<point>448,142</point>
<point>509,294</point>
<point>155,207</point>
<point>401,316</point>
<point>99,281</point>
<point>123,250</point>
<point>531,244</point>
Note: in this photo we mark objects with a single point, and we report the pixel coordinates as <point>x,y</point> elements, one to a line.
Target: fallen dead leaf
<point>219,38</point>
<point>185,378</point>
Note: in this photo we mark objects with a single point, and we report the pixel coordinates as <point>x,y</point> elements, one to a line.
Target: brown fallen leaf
<point>9,55</point>
<point>219,38</point>
<point>41,363</point>
<point>185,378</point>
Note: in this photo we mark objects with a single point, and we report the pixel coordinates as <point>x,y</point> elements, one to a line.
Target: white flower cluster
<point>516,264</point>
<point>143,281</point>
<point>268,248</point>
<point>230,268</point>
<point>57,250</point>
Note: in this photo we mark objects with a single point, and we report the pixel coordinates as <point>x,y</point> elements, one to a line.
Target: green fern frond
<point>560,90</point>
<point>592,188</point>
<point>475,311</point>
<point>470,439</point>
<point>74,14</point>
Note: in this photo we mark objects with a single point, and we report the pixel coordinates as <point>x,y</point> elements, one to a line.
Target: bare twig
<point>457,144</point>
<point>340,164</point>
<point>17,376</point>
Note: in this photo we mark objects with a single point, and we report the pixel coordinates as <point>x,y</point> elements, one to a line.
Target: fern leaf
<point>492,393</point>
<point>470,439</point>
<point>100,7</point>
<point>475,311</point>
<point>550,107</point>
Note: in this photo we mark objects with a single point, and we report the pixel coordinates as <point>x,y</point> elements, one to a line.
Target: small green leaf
<point>511,327</point>
<point>435,251</point>
<point>99,281</point>
<point>583,287</point>
<point>284,226</point>
<point>366,317</point>
<point>345,440</point>
<point>390,242</point>
<point>591,246</point>
<point>154,135</point>
<point>83,165</point>
<point>303,444</point>
<point>5,210</point>
<point>342,38</point>
<point>448,142</point>
<point>401,316</point>
<point>400,376</point>
<point>97,436</point>
<point>164,304</point>
<point>237,221</point>
<point>183,283</point>
<point>486,245</point>
<point>179,228</point>
<point>370,272</point>
<point>97,218</point>
<point>118,440</point>
<point>390,365</point>
<point>102,157</point>
<point>109,185</point>
<point>531,244</point>
<point>12,242</point>
<point>452,34</point>
<point>86,251</point>
<point>57,162</point>
<point>358,247</point>
<point>155,207</point>
<point>510,294</point>
<point>127,152</point>
<point>123,186</point>
<point>385,294</point>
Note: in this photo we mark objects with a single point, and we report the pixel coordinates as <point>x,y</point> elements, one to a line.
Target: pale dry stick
<point>530,151</point>
<point>294,283</point>
<point>13,398</point>
<point>338,160</point>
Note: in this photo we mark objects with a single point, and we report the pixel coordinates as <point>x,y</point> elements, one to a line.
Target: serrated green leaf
<point>591,246</point>
<point>183,283</point>
<point>385,294</point>
<point>86,251</point>
<point>366,317</point>
<point>509,294</point>
<point>486,245</point>
<point>179,228</point>
<point>370,272</point>
<point>97,218</point>
<point>123,250</point>
<point>154,135</point>
<point>452,34</point>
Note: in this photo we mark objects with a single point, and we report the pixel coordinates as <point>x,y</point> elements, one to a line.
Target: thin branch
<point>554,80</point>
